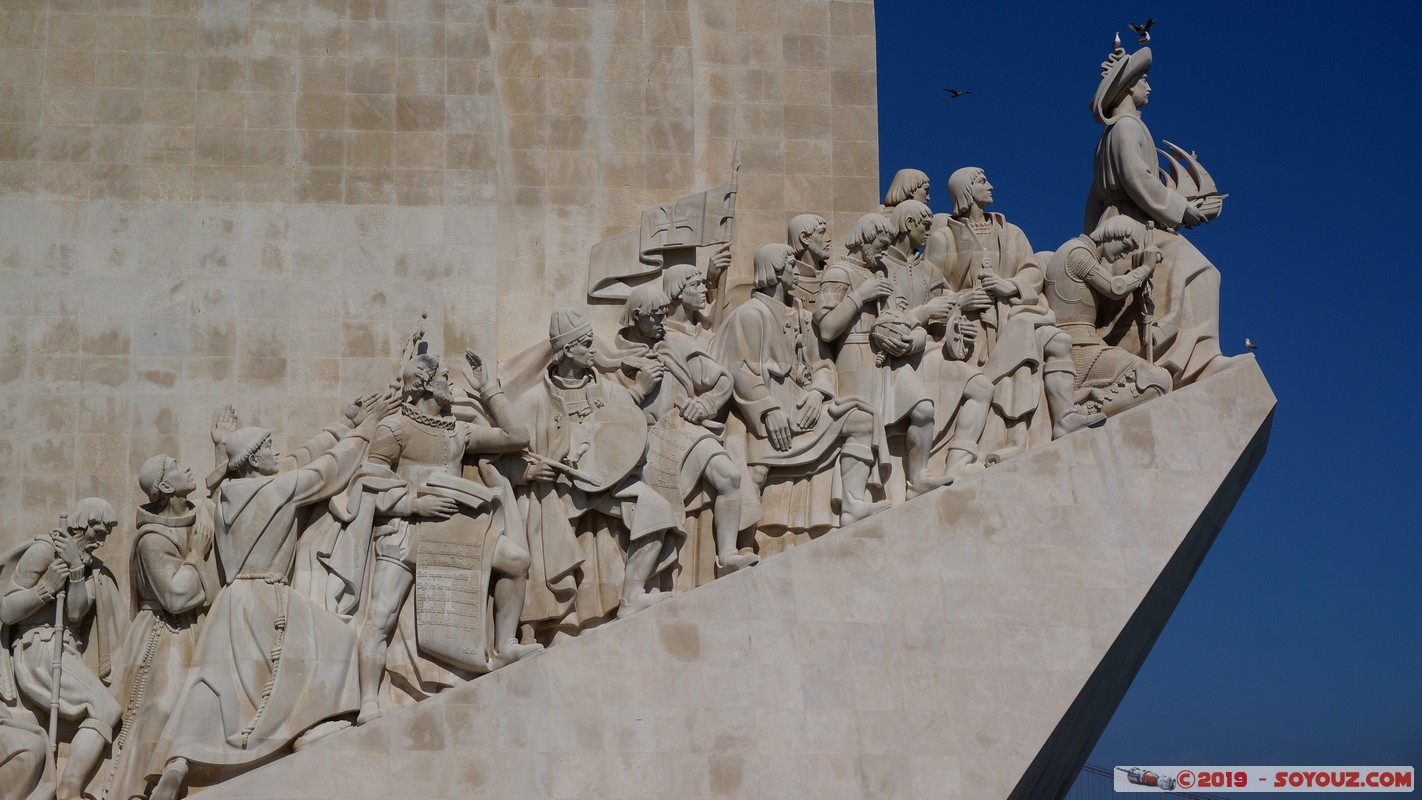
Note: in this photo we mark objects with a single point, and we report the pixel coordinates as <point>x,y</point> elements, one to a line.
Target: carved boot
<point>855,462</point>
<point>635,599</point>
<point>1066,417</point>
<point>963,460</point>
<point>512,651</point>
<point>732,562</point>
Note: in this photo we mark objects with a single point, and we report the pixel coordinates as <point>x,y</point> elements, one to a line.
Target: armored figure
<point>1087,279</point>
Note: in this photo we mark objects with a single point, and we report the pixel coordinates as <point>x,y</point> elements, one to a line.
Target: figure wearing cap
<point>601,538</point>
<point>1126,181</point>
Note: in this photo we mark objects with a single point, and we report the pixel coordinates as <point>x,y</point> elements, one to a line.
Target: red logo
<point>1186,779</point>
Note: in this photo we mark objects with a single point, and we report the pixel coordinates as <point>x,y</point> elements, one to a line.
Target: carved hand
<point>374,404</point>
<point>811,406</point>
<point>68,546</point>
<point>938,307</point>
<point>896,346</point>
<point>436,507</point>
<point>55,575</point>
<point>974,300</point>
<point>777,425</point>
<point>539,472</point>
<point>201,541</point>
<point>224,422</point>
<point>719,263</point>
<point>696,411</point>
<point>873,289</point>
<point>1195,214</point>
<point>478,376</point>
<point>996,284</point>
<point>648,378</point>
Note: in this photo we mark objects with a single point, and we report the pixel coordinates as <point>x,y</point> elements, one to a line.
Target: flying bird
<point>1143,30</point>
<point>1249,345</point>
<point>955,93</point>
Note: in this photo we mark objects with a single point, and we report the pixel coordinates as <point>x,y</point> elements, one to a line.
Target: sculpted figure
<point>26,765</point>
<point>171,581</point>
<point>1126,181</point>
<point>30,580</point>
<point>1087,279</point>
<point>959,388</point>
<point>786,393</point>
<point>874,350</point>
<point>687,408</point>
<point>272,665</point>
<point>808,235</point>
<point>414,471</point>
<point>1017,346</point>
<point>908,184</point>
<point>588,435</point>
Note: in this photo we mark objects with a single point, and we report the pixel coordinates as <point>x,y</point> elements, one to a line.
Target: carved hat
<point>566,327</point>
<point>1118,72</point>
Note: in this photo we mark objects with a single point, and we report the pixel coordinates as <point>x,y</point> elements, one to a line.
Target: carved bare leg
<point>84,754</point>
<point>972,418</point>
<point>388,588</point>
<point>641,563</point>
<point>511,563</point>
<point>855,461</point>
<point>920,442</point>
<point>725,481</point>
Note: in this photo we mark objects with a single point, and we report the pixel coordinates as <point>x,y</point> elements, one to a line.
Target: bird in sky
<point>1143,30</point>
<point>1249,345</point>
<point>956,93</point>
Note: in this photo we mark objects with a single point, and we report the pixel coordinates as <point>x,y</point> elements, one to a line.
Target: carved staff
<point>57,663</point>
<point>1147,298</point>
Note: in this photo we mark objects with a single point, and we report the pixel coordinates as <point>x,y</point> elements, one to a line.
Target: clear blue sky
<point>1299,640</point>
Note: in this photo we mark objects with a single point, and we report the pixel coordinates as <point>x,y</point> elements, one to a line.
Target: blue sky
<point>1298,642</point>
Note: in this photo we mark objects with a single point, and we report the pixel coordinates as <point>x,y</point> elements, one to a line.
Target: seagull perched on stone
<point>1143,30</point>
<point>1248,345</point>
<point>955,93</point>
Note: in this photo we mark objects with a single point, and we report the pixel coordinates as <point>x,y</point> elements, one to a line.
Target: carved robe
<point>170,585</point>
<point>1013,332</point>
<point>579,558</point>
<point>775,361</point>
<point>26,764</point>
<point>1126,180</point>
<point>271,663</point>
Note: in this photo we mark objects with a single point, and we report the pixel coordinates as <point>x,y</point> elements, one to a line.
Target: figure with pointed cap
<point>30,579</point>
<point>1026,357</point>
<point>172,580</point>
<point>785,391</point>
<point>600,537</point>
<point>1126,181</point>
<point>272,665</point>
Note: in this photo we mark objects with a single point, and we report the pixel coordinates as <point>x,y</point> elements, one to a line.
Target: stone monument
<point>752,518</point>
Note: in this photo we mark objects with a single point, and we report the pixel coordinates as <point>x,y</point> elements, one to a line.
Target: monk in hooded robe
<point>272,664</point>
<point>172,580</point>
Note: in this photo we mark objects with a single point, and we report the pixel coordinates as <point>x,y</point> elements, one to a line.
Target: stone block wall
<point>254,201</point>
